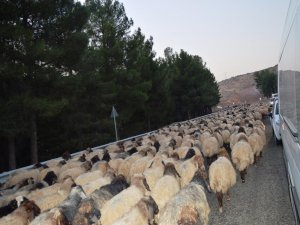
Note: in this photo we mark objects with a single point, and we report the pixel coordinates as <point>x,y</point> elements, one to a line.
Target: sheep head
<point>140,181</point>
<point>31,209</point>
<point>170,170</point>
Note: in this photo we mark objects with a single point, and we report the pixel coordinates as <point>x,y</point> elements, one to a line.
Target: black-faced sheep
<point>64,213</point>
<point>88,211</point>
<point>27,211</point>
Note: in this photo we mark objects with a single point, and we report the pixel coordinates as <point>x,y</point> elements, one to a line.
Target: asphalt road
<point>264,198</point>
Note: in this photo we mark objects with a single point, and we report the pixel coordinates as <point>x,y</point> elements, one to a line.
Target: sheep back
<point>222,175</point>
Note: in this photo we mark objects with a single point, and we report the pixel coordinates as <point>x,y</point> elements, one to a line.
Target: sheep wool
<point>242,155</point>
<point>189,206</point>
<point>210,146</point>
<point>27,211</point>
<point>90,187</point>
<point>121,203</point>
<point>164,189</point>
<point>222,176</point>
<point>141,214</point>
<point>88,177</point>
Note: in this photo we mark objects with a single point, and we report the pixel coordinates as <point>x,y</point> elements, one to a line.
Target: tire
<point>278,142</point>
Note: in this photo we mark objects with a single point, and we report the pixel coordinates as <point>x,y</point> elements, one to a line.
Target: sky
<point>233,37</point>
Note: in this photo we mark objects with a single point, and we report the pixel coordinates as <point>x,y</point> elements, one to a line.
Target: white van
<point>289,101</point>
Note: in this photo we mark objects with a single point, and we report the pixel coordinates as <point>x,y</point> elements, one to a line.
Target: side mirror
<point>271,115</point>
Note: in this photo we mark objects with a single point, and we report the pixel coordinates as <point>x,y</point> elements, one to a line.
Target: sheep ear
<point>162,161</point>
<point>146,184</point>
<point>177,173</point>
<point>151,164</point>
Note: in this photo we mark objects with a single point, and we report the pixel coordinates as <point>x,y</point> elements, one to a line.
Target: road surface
<point>264,198</point>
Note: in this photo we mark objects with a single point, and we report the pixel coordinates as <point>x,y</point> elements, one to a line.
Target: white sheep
<point>97,183</point>
<point>20,175</point>
<point>139,166</point>
<point>74,172</point>
<point>121,203</point>
<point>141,214</point>
<point>154,171</point>
<point>88,177</point>
<point>242,155</point>
<point>210,146</point>
<point>222,176</point>
<point>51,196</point>
<point>166,186</point>
<point>189,206</point>
<point>187,169</point>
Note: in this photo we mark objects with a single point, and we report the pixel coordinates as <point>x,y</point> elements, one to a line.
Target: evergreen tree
<point>266,82</point>
<point>42,40</point>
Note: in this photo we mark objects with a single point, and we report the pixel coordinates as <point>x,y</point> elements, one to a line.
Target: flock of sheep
<point>160,178</point>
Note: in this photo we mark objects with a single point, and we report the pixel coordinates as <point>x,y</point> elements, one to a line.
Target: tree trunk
<point>11,153</point>
<point>149,124</point>
<point>34,147</point>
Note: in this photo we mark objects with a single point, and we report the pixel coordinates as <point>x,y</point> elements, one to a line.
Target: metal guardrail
<point>4,175</point>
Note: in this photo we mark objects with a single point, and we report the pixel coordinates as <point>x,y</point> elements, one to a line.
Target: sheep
<point>154,171</point>
<point>51,196</point>
<point>22,215</point>
<point>6,199</point>
<point>68,207</point>
<point>222,176</point>
<point>13,189</point>
<point>52,217</point>
<point>124,168</point>
<point>219,137</point>
<point>88,177</point>
<point>66,156</point>
<point>75,172</point>
<point>256,143</point>
<point>12,205</point>
<point>7,209</point>
<point>21,175</point>
<point>188,206</point>
<point>115,163</point>
<point>141,214</point>
<point>140,165</point>
<point>120,204</point>
<point>89,209</point>
<point>100,165</point>
<point>97,183</point>
<point>210,147</point>
<point>187,169</point>
<point>242,155</point>
<point>113,148</point>
<point>65,212</point>
<point>167,186</point>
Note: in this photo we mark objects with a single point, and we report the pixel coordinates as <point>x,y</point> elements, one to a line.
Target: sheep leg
<point>243,173</point>
<point>228,195</point>
<point>255,160</point>
<point>220,201</point>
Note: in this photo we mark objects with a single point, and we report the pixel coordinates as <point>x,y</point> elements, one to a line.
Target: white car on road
<point>275,121</point>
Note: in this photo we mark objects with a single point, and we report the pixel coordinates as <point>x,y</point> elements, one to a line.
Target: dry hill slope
<point>240,89</point>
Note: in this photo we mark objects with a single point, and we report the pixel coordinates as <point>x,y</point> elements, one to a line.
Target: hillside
<point>240,89</point>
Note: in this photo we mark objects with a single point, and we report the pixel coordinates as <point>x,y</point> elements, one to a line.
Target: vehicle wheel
<point>278,142</point>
